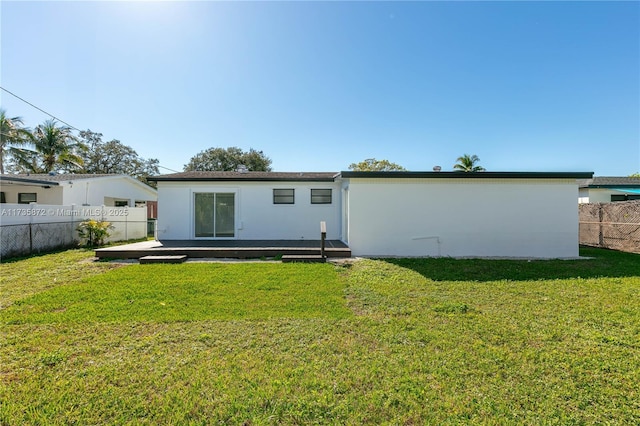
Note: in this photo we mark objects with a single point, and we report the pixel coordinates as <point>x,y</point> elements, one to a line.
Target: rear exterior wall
<point>529,218</point>
<point>256,215</point>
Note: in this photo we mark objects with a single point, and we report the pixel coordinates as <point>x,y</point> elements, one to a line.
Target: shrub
<point>94,231</point>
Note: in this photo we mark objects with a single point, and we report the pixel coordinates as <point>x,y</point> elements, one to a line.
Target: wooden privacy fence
<point>611,225</point>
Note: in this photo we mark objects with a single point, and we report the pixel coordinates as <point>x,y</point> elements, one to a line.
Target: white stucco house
<point>484,214</point>
<point>609,189</point>
<point>79,189</point>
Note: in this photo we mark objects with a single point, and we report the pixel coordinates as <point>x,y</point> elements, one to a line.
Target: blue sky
<point>527,86</point>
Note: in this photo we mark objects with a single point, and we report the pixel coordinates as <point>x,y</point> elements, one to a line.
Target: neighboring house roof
<point>64,178</point>
<point>26,179</point>
<point>610,182</point>
<point>247,176</point>
<point>331,176</point>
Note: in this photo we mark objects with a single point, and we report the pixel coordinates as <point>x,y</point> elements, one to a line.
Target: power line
<point>166,168</point>
<point>62,121</point>
<point>39,109</point>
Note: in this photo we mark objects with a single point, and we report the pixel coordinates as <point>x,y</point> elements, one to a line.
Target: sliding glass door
<point>214,215</point>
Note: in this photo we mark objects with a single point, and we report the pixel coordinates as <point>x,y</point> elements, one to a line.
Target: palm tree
<point>54,147</point>
<point>468,163</point>
<point>12,135</point>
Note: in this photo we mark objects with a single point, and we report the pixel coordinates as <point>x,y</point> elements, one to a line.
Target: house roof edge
<point>468,175</point>
<point>332,176</point>
<point>30,181</point>
<point>247,177</point>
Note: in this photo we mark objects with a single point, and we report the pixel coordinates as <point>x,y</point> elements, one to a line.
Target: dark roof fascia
<point>234,179</point>
<point>469,175</point>
<point>606,182</point>
<point>28,181</point>
<point>622,185</point>
<point>384,175</point>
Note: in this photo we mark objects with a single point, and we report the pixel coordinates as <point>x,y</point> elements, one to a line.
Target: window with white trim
<point>27,197</point>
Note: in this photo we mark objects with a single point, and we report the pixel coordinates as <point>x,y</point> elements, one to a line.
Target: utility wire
<point>62,121</point>
<point>171,170</point>
<point>39,109</point>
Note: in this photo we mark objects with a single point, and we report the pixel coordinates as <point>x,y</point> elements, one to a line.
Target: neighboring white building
<point>605,189</point>
<point>484,214</point>
<point>79,189</point>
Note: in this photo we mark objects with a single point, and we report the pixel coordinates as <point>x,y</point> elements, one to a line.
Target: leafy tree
<point>221,159</point>
<point>54,148</point>
<point>373,165</point>
<point>12,135</point>
<point>635,175</point>
<point>468,163</point>
<point>115,157</point>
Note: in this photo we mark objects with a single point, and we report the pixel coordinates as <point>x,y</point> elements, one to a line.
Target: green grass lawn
<point>189,292</point>
<point>402,341</point>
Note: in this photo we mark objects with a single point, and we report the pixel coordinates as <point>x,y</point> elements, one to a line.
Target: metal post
<point>600,234</point>
<point>323,236</point>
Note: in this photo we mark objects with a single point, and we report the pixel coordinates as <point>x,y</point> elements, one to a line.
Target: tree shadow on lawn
<point>598,263</point>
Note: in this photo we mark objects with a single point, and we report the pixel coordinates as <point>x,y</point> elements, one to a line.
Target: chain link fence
<point>33,238</point>
<point>38,229</point>
<point>611,225</point>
